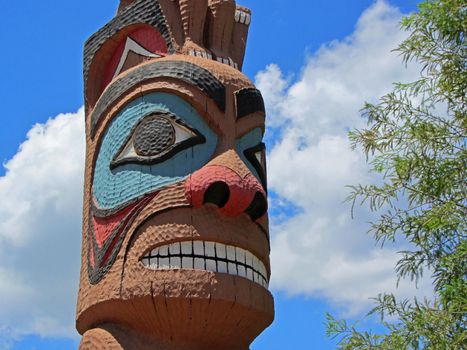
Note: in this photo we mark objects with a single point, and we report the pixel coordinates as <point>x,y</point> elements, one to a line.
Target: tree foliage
<point>416,139</point>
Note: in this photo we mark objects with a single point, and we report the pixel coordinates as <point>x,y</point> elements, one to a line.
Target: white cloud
<point>322,252</point>
<point>40,230</point>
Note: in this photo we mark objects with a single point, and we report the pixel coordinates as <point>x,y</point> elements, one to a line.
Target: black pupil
<point>153,136</point>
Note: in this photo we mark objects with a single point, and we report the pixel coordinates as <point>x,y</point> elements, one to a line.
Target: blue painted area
<point>115,187</point>
<point>299,324</point>
<point>39,343</point>
<point>54,85</point>
<point>281,209</point>
<point>250,140</point>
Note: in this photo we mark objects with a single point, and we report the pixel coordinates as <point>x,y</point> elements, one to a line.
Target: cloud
<point>40,230</point>
<point>321,251</point>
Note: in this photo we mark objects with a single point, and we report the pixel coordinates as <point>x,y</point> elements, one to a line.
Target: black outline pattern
<point>165,155</point>
<point>250,155</point>
<point>140,12</point>
<point>97,273</point>
<point>185,71</point>
<point>249,100</point>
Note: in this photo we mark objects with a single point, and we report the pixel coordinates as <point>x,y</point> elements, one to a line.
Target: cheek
<point>112,230</point>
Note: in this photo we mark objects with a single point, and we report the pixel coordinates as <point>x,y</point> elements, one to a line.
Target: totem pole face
<point>175,234</point>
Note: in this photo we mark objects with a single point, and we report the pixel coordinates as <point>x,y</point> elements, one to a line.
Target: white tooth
<point>164,251</point>
<point>187,248</point>
<point>164,263</point>
<point>237,16</point>
<point>198,248</point>
<point>257,277</point>
<point>155,252</point>
<point>145,261</point>
<point>176,262</point>
<point>220,251</point>
<point>211,265</point>
<point>232,269</point>
<point>249,259</point>
<point>262,269</point>
<point>209,248</point>
<point>153,263</point>
<point>248,20</point>
<point>249,274</point>
<point>240,255</point>
<point>175,249</point>
<point>187,263</point>
<point>241,271</point>
<point>222,267</point>
<point>255,263</point>
<point>230,253</point>
<point>199,264</point>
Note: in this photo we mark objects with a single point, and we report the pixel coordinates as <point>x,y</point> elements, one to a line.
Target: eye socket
<point>156,138</point>
<point>257,157</point>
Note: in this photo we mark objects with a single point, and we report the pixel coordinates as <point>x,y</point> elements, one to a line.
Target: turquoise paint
<point>113,188</point>
<point>250,140</point>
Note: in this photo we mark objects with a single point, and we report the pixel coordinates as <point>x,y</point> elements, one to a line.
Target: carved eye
<point>156,138</point>
<point>257,157</point>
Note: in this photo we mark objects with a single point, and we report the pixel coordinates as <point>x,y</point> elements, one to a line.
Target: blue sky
<point>316,62</point>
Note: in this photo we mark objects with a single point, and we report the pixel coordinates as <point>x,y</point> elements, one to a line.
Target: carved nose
<point>226,189</point>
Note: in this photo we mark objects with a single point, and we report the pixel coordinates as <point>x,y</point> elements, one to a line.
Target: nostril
<point>258,206</point>
<point>218,193</point>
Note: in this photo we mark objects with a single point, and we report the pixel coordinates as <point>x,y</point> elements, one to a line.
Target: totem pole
<point>175,251</point>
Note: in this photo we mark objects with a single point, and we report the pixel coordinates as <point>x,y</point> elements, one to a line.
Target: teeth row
<point>242,17</point>
<point>208,56</point>
<point>228,61</point>
<point>207,256</point>
<point>198,53</point>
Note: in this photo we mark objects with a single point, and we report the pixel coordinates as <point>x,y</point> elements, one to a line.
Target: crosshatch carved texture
<point>249,101</point>
<point>184,71</point>
<point>140,12</point>
<point>175,248</point>
<point>153,136</point>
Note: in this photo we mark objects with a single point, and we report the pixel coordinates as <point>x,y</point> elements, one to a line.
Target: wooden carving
<point>175,251</point>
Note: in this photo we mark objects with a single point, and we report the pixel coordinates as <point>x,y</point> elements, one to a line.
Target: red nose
<point>223,187</point>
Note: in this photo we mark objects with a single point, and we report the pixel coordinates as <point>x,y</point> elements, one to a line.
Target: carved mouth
<point>208,256</point>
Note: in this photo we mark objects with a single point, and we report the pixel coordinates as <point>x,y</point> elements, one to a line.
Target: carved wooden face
<point>175,230</point>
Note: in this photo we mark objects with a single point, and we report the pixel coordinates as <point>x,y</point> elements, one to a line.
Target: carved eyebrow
<point>181,70</point>
<point>249,101</point>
